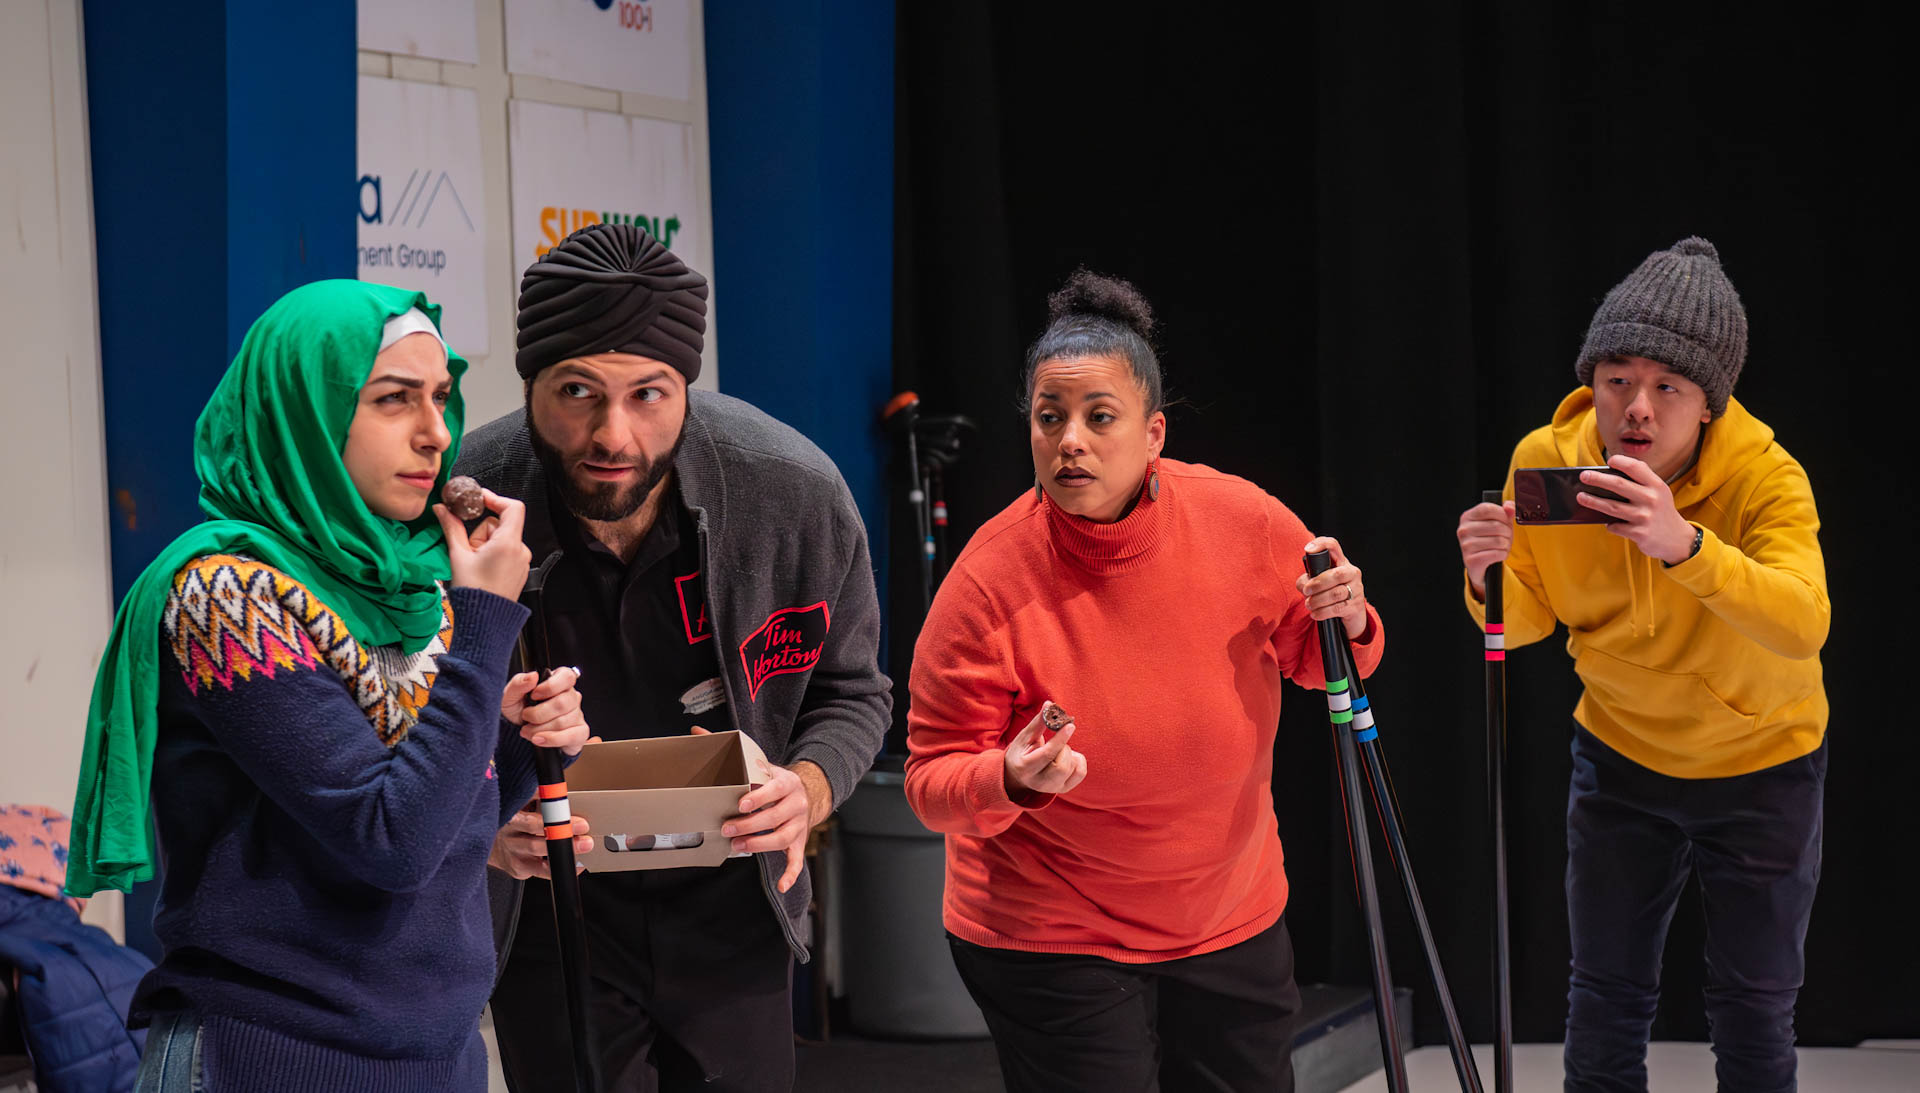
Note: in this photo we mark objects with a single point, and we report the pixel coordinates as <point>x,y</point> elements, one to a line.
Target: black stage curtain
<point>1373,239</point>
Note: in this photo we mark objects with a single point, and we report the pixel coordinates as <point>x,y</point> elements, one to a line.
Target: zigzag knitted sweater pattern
<point>325,811</point>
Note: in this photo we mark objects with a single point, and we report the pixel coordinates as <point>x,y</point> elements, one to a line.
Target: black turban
<point>611,288</point>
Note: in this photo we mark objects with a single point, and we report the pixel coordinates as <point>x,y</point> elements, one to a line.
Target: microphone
<point>900,411</point>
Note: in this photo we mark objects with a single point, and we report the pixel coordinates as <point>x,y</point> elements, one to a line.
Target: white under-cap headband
<point>411,321</point>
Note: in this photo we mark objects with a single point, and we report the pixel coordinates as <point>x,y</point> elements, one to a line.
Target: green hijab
<point>272,483</point>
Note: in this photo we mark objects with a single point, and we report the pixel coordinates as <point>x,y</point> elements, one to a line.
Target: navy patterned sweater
<point>325,811</point>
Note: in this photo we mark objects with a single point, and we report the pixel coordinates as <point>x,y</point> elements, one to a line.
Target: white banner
<point>445,30</point>
<point>573,167</point>
<point>422,200</point>
<point>644,47</point>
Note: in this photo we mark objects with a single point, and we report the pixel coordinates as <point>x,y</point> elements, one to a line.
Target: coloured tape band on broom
<point>1363,729</point>
<point>1339,702</point>
<point>554,811</point>
<point>1496,641</point>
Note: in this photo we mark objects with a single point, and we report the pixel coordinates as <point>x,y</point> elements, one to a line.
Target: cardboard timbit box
<point>658,803</point>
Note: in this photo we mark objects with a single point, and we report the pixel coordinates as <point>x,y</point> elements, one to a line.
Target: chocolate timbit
<point>464,498</point>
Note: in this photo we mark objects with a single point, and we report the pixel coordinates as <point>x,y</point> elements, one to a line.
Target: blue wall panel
<point>222,141</point>
<point>800,120</point>
<point>291,148</point>
<point>156,106</point>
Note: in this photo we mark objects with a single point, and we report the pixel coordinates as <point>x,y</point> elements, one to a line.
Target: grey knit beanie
<point>1679,309</point>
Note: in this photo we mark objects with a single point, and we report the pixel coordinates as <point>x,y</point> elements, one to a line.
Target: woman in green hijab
<point>313,686</point>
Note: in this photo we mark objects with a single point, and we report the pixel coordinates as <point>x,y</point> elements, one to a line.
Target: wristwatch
<point>1699,536</point>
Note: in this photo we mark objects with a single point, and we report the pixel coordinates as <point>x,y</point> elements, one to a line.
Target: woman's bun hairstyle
<point>1094,315</point>
<point>1091,294</point>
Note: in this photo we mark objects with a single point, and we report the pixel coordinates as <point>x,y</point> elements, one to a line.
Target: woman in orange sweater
<point>1114,887</point>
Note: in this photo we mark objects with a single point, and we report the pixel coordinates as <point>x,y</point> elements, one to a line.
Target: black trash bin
<point>900,980</point>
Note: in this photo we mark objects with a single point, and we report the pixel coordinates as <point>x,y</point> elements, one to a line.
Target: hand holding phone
<point>1645,515</point>
<point>1546,496</point>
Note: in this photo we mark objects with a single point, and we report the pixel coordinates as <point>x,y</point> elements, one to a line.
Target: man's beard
<point>602,502</point>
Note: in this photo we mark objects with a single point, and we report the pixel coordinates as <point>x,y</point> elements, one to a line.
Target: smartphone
<point>1545,495</point>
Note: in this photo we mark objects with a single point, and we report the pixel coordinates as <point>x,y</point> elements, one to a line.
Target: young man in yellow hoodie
<point>1695,620</point>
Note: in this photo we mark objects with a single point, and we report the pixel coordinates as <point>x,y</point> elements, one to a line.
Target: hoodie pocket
<point>1676,710</point>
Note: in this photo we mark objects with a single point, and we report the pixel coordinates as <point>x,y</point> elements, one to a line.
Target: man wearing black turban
<point>714,575</point>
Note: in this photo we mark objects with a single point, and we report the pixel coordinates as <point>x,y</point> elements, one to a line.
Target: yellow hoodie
<point>1706,669</point>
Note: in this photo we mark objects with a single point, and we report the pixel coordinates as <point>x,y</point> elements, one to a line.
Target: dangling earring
<point>1153,484</point>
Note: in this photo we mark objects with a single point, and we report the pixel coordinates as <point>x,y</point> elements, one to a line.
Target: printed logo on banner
<point>641,46</point>
<point>632,16</point>
<point>422,193</point>
<point>791,640</point>
<point>573,168</point>
<point>557,223</point>
<point>420,200</point>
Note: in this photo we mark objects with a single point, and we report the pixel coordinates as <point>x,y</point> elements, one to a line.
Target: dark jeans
<point>692,986</point>
<point>1064,1023</point>
<point>1632,838</point>
<point>171,1062</point>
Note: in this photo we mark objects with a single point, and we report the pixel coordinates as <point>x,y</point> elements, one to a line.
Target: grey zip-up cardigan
<point>790,596</point>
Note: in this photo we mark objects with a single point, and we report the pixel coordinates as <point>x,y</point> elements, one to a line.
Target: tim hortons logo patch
<point>789,641</point>
<point>693,607</point>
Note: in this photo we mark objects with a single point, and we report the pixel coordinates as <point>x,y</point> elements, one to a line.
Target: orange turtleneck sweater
<point>1165,636</point>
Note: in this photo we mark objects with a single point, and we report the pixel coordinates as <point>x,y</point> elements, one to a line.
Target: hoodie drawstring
<point>1633,591</point>
<point>1652,616</point>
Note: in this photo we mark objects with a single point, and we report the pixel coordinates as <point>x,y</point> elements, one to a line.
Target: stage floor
<point>967,1066</point>
<point>1885,1066</point>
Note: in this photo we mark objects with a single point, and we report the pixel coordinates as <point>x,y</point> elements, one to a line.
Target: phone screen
<point>1545,495</point>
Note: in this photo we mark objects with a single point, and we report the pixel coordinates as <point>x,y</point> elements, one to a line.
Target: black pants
<point>692,986</point>
<point>1061,1023</point>
<point>1632,838</point>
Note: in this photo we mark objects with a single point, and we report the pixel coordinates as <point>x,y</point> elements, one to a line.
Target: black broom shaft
<point>569,919</point>
<point>1497,816</point>
<point>1392,825</point>
<point>1366,890</point>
